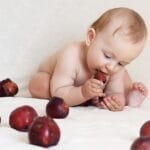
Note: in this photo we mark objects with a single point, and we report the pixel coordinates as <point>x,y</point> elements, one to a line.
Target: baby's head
<point>115,39</point>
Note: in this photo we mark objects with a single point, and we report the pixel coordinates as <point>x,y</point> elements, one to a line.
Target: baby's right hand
<point>93,88</point>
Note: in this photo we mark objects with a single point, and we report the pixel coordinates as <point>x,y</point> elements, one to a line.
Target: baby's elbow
<point>57,93</point>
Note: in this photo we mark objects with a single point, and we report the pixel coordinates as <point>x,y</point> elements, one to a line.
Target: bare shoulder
<point>70,53</point>
<point>67,55</point>
<point>72,49</point>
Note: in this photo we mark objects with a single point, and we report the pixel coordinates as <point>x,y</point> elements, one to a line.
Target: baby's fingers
<point>113,104</point>
<point>103,105</point>
<point>96,101</point>
<point>97,92</point>
<point>108,104</point>
<point>97,84</point>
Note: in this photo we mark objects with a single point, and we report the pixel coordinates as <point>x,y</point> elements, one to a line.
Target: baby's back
<point>72,53</point>
<point>49,63</point>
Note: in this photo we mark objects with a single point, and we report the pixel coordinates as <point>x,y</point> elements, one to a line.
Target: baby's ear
<point>90,36</point>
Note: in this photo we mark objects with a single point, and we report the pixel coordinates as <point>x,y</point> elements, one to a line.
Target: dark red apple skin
<point>100,76</point>
<point>57,108</point>
<point>44,132</point>
<point>22,117</point>
<point>141,143</point>
<point>8,88</point>
<point>145,129</point>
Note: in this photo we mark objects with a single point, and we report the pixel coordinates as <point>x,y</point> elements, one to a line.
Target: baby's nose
<point>111,67</point>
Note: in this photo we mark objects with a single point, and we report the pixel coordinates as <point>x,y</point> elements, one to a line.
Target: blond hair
<point>133,23</point>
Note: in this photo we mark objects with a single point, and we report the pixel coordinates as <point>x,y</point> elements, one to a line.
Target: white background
<point>31,29</point>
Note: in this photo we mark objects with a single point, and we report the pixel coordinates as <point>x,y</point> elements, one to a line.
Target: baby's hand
<point>93,88</point>
<point>114,102</point>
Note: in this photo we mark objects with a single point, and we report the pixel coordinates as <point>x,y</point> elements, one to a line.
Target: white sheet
<point>29,31</point>
<point>86,128</point>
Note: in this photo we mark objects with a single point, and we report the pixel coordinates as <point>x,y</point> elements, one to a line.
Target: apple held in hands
<point>100,76</point>
<point>44,132</point>
<point>22,117</point>
<point>57,108</point>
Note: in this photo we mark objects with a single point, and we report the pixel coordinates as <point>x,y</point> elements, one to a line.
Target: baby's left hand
<point>114,102</point>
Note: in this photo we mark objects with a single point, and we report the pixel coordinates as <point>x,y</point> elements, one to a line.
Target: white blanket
<point>29,31</point>
<point>85,128</point>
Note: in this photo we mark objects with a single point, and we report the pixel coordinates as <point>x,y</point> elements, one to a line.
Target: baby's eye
<point>120,64</point>
<point>107,56</point>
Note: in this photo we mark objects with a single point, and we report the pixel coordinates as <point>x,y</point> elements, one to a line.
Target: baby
<point>113,41</point>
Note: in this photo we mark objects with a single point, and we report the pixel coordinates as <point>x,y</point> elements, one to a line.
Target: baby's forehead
<point>118,23</point>
<point>129,28</point>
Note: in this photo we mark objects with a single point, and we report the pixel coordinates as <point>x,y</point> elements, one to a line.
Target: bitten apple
<point>57,108</point>
<point>22,117</point>
<point>44,132</point>
<point>100,76</point>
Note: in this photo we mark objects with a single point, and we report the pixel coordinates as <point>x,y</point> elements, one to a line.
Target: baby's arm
<point>115,92</point>
<point>63,82</point>
<point>131,94</point>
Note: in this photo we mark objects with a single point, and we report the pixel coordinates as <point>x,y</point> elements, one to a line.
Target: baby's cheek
<point>117,69</point>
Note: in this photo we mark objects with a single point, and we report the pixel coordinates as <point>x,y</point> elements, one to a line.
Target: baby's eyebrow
<point>116,30</point>
<point>124,62</point>
<point>111,53</point>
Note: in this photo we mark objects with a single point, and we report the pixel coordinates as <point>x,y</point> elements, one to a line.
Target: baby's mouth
<point>100,76</point>
<point>100,71</point>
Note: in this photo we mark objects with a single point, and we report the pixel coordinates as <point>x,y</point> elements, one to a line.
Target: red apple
<point>8,88</point>
<point>141,143</point>
<point>145,129</point>
<point>44,132</point>
<point>101,76</point>
<point>57,108</point>
<point>22,117</point>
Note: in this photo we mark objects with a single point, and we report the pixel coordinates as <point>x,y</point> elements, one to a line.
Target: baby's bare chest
<point>82,75</point>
